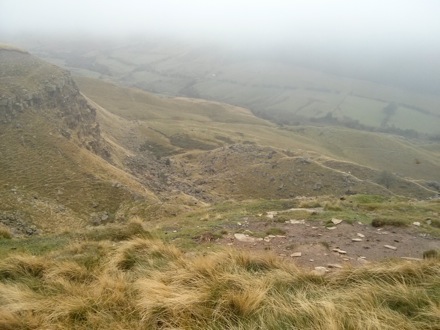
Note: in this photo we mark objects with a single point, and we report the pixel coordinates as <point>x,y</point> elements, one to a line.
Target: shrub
<point>386,179</point>
<point>119,232</point>
<point>330,206</point>
<point>310,204</point>
<point>380,222</point>
<point>435,223</point>
<point>434,184</point>
<point>431,254</point>
<point>275,231</point>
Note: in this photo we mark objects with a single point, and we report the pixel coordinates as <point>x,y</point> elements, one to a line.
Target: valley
<point>279,89</point>
<point>147,210</point>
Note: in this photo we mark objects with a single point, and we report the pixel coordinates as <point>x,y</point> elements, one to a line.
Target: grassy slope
<point>48,179</point>
<point>140,105</point>
<point>381,151</point>
<point>159,118</point>
<point>121,277</point>
<point>140,282</point>
<point>43,173</point>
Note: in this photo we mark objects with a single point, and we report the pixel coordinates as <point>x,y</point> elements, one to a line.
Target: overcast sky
<point>265,21</point>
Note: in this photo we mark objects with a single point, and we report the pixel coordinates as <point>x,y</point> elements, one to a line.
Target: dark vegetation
<point>284,119</point>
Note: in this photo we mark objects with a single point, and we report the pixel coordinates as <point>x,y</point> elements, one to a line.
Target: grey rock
<point>319,271</point>
<point>336,221</point>
<point>244,238</point>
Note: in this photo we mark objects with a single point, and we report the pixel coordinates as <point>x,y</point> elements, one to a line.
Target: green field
<point>281,91</point>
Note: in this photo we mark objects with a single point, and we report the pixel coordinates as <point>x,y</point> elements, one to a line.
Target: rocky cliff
<point>28,84</point>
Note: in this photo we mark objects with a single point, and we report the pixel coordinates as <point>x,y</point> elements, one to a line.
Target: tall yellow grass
<point>143,283</point>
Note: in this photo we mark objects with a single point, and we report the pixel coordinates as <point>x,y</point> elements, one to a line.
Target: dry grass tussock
<point>5,232</point>
<point>142,283</point>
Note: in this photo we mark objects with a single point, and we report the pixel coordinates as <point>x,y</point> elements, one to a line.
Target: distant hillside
<point>212,150</point>
<point>279,90</point>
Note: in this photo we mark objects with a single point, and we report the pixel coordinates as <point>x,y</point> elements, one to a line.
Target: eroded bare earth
<point>314,243</point>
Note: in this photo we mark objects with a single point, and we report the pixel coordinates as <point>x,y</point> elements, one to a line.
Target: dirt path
<point>311,244</point>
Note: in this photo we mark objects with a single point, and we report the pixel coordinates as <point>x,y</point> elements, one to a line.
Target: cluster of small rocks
<point>99,218</point>
<point>18,224</point>
<point>161,176</point>
<point>343,247</point>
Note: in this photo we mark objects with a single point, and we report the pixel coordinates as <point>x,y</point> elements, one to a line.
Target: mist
<point>315,21</point>
<point>354,38</point>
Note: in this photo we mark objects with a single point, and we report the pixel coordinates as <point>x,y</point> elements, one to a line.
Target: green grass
<point>38,245</point>
<point>366,111</point>
<point>410,119</point>
<point>369,199</point>
<point>275,231</point>
<point>42,245</point>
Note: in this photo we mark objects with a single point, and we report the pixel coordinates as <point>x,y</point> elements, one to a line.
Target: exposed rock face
<point>29,84</point>
<point>18,223</point>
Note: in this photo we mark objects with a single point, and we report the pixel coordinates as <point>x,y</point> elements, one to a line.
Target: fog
<point>342,35</point>
<point>257,21</point>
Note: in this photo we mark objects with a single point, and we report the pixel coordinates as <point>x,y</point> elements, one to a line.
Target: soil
<point>320,246</point>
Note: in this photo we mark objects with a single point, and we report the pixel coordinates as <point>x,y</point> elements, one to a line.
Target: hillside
<point>278,89</point>
<point>130,145</point>
<point>266,161</point>
<point>54,169</point>
<point>124,209</point>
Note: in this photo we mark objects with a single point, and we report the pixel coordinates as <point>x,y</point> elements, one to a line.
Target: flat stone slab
<point>336,221</point>
<point>296,222</point>
<point>339,251</point>
<point>246,238</point>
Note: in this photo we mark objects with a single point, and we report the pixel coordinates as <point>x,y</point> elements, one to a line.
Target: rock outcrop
<point>29,84</point>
